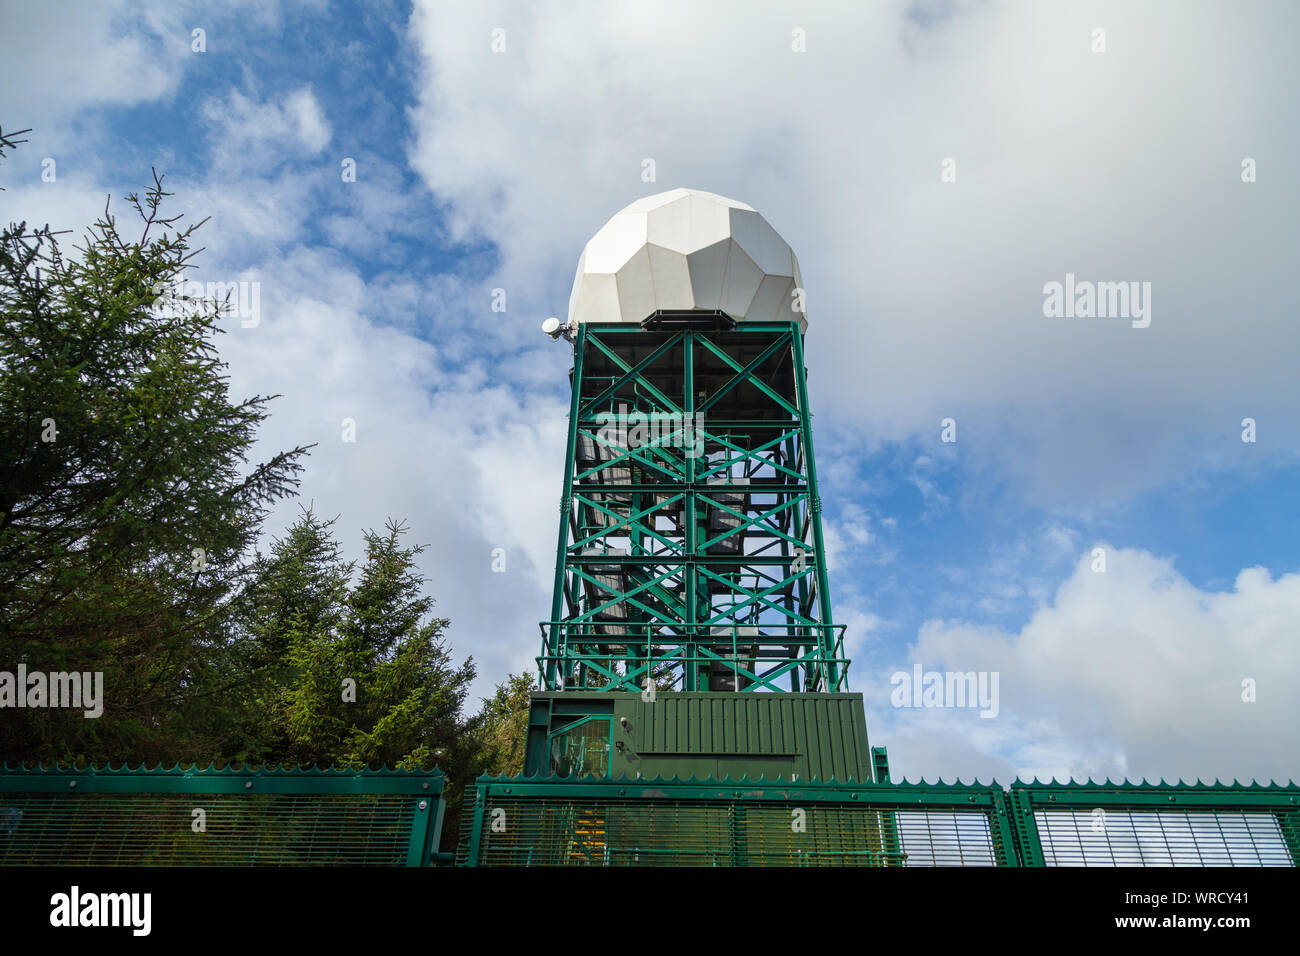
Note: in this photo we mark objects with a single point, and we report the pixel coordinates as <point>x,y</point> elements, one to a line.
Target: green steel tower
<point>693,707</point>
<point>691,630</point>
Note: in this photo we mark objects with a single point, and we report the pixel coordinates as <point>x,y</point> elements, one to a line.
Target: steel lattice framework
<point>690,548</point>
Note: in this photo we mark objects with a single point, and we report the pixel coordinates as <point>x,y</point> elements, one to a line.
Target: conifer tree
<point>127,498</point>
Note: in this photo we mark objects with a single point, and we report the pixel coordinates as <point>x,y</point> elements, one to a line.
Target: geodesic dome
<point>686,249</point>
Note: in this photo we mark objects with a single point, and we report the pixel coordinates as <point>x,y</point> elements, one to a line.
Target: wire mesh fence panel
<point>142,829</point>
<point>1123,837</point>
<point>946,838</point>
<point>218,816</point>
<point>562,832</point>
<point>556,821</point>
<point>811,835</point>
<point>649,832</point>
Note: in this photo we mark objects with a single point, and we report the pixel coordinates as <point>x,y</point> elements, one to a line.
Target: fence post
<point>1028,845</point>
<point>476,828</point>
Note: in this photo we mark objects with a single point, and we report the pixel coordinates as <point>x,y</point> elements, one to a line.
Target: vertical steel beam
<point>691,669</point>
<point>566,493</point>
<point>815,508</point>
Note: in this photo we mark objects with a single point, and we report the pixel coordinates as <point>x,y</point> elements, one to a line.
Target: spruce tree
<point>127,497</point>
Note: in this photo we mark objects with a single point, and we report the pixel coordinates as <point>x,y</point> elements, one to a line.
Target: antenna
<point>560,330</point>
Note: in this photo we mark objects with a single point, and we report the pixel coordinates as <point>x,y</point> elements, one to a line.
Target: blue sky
<point>479,170</point>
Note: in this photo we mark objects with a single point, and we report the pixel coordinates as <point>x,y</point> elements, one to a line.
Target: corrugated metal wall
<point>713,735</point>
<point>823,735</point>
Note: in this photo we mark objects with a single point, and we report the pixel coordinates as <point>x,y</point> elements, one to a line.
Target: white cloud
<point>249,134</point>
<point>60,58</point>
<point>1131,672</point>
<point>467,461</point>
<point>307,119</point>
<point>68,203</point>
<point>923,477</point>
<point>1014,575</point>
<point>925,298</point>
<point>924,303</point>
<point>851,543</point>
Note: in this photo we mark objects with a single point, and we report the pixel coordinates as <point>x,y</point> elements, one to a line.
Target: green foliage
<point>503,726</point>
<point>129,521</point>
<point>126,501</point>
<point>295,598</point>
<point>350,674</point>
<point>353,674</point>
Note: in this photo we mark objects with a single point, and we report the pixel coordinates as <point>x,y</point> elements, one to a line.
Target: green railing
<point>549,821</point>
<point>218,817</point>
<point>659,650</point>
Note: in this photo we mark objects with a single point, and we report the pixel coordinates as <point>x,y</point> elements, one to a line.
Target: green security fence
<point>218,816</point>
<point>542,821</point>
<point>1166,825</point>
<point>228,817</point>
<point>550,822</point>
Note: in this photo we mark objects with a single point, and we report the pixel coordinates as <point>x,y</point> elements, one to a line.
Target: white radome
<point>687,249</point>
